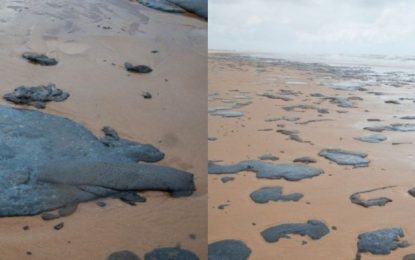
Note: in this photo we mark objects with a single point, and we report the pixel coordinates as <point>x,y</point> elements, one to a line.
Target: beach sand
<point>103,93</point>
<point>326,197</point>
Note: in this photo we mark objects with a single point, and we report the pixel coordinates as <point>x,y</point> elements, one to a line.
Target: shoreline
<point>326,197</point>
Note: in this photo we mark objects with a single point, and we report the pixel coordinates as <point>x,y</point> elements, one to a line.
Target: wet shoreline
<point>338,103</point>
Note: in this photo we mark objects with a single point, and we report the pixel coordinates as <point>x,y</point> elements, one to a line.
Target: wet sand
<point>103,93</point>
<point>326,197</point>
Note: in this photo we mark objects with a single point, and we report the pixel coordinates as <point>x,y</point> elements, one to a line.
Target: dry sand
<point>326,197</point>
<point>102,93</point>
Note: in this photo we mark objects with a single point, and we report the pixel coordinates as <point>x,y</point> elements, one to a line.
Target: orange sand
<point>328,194</point>
<point>103,94</point>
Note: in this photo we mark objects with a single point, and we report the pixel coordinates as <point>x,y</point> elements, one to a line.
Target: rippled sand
<point>102,93</point>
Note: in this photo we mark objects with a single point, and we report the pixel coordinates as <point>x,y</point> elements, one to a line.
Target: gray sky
<point>313,26</point>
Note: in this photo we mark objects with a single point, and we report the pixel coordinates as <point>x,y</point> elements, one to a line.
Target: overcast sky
<point>313,26</point>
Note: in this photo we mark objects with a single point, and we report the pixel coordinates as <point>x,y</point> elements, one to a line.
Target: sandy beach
<point>92,40</point>
<point>237,83</point>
